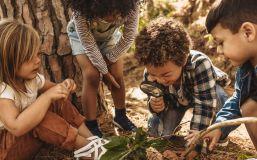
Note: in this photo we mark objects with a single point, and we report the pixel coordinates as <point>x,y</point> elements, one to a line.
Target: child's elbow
<point>16,130</point>
<point>18,133</point>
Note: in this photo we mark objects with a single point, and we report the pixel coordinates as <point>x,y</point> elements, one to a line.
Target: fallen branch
<point>227,123</point>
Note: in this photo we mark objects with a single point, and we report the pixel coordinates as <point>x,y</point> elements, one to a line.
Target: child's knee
<point>249,108</point>
<point>92,78</point>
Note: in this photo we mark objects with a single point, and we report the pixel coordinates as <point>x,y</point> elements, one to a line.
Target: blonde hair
<point>18,44</point>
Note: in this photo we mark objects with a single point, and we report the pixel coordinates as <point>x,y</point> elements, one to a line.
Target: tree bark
<point>50,18</point>
<point>193,10</point>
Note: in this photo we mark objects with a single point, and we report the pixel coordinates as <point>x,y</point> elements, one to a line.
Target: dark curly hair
<point>163,40</point>
<point>91,9</point>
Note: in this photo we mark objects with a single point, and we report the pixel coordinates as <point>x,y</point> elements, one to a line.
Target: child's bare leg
<point>90,86</point>
<point>91,78</point>
<point>249,109</point>
<point>118,94</point>
<point>83,131</point>
<point>80,141</point>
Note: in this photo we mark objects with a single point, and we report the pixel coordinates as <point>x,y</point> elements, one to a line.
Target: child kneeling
<point>188,77</point>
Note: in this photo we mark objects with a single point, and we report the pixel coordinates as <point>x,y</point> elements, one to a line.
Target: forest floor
<point>240,146</point>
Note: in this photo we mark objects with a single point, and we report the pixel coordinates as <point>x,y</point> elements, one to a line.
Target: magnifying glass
<point>152,88</point>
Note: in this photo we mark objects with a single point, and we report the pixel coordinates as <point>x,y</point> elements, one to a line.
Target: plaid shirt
<point>199,88</point>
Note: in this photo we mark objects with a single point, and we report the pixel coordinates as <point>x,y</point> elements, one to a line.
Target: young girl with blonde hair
<point>34,110</point>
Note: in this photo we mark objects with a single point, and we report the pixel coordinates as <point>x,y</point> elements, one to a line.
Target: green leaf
<point>159,144</point>
<point>118,143</point>
<point>140,136</point>
<point>114,154</point>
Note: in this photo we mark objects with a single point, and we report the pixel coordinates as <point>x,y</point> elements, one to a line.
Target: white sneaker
<point>91,148</point>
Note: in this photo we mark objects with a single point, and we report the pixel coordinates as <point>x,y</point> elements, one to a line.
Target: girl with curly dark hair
<point>98,45</point>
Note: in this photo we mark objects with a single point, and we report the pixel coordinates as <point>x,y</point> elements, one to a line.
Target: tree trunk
<point>193,10</point>
<point>50,18</point>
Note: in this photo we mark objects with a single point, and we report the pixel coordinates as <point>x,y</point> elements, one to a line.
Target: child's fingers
<point>189,142</point>
<point>112,80</point>
<point>74,87</point>
<point>155,99</point>
<point>115,84</point>
<point>159,110</point>
<point>65,91</point>
<point>157,103</point>
<point>157,106</point>
<point>189,136</point>
<point>213,143</point>
<point>62,89</point>
<point>67,83</point>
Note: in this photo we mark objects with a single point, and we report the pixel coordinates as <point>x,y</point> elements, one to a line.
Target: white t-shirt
<point>22,100</point>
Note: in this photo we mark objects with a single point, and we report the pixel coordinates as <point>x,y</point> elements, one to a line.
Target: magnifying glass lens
<point>151,90</point>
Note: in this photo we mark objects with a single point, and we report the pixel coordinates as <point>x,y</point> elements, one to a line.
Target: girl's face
<point>29,69</point>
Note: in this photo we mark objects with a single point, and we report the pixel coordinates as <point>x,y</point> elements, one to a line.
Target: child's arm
<point>89,44</point>
<point>69,83</point>
<point>91,48</point>
<point>130,31</point>
<point>231,108</point>
<point>20,123</point>
<point>48,84</point>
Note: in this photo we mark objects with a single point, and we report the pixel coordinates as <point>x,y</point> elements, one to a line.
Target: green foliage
<point>158,8</point>
<point>243,156</point>
<point>131,147</point>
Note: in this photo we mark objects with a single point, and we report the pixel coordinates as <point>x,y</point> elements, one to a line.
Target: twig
<point>174,131</point>
<point>232,122</point>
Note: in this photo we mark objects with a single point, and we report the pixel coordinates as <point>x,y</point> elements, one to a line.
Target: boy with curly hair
<point>98,44</point>
<point>233,24</point>
<point>189,77</point>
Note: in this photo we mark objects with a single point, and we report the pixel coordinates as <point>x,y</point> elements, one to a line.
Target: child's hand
<point>190,137</point>
<point>157,104</point>
<point>108,62</point>
<point>59,91</point>
<point>110,81</point>
<point>70,84</point>
<point>213,137</point>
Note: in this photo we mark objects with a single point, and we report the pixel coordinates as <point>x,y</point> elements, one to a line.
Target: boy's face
<point>233,46</point>
<point>166,75</point>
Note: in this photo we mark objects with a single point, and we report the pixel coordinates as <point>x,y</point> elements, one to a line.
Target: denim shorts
<point>103,46</point>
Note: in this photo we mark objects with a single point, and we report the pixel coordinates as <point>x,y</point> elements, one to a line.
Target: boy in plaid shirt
<point>233,24</point>
<point>190,78</point>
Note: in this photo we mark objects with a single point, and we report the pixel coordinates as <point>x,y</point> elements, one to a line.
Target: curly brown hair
<point>91,9</point>
<point>163,40</point>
